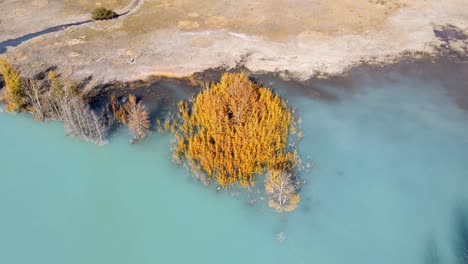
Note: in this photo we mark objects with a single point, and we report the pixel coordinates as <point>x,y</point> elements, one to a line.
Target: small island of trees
<point>235,130</point>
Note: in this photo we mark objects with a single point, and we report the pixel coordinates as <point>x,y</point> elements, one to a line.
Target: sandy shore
<point>302,38</point>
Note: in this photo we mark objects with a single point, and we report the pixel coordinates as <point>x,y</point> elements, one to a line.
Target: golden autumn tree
<point>13,87</point>
<point>137,118</point>
<point>119,111</point>
<point>235,130</point>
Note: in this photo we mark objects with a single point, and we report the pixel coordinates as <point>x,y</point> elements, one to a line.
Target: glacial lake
<point>388,183</point>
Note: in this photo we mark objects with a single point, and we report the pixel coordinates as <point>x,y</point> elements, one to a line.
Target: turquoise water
<point>389,177</point>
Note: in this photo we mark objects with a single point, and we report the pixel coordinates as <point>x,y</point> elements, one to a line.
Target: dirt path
<point>130,9</point>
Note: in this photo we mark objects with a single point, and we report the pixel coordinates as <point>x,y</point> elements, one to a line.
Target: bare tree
<point>138,118</point>
<point>66,105</point>
<point>80,120</point>
<point>33,93</point>
<point>282,187</point>
<point>53,99</point>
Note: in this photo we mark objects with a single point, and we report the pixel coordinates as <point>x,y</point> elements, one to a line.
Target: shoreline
<point>446,35</point>
<point>160,94</point>
<point>182,86</point>
<point>140,45</point>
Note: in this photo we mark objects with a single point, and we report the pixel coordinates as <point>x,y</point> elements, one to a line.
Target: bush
<point>102,13</point>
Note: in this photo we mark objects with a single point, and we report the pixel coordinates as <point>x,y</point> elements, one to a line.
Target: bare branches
<point>138,118</point>
<point>33,93</point>
<point>133,114</point>
<point>283,187</point>
<point>79,120</point>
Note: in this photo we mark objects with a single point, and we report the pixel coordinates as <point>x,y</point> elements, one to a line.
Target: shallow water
<point>388,185</point>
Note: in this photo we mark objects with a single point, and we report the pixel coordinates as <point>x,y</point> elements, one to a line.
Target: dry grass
<point>274,19</point>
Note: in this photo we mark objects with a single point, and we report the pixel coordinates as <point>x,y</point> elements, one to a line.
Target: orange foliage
<point>233,131</point>
<point>138,118</point>
<point>119,111</point>
<point>133,114</point>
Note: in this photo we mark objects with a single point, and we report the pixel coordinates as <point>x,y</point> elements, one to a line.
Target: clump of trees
<point>51,98</point>
<point>234,130</point>
<point>69,107</point>
<point>102,13</point>
<point>133,114</point>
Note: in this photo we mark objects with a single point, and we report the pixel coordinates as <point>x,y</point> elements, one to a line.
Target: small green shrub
<point>102,13</point>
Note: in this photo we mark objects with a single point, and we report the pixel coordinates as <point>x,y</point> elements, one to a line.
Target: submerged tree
<point>119,112</point>
<point>81,121</point>
<point>282,187</point>
<point>133,114</point>
<point>33,93</point>
<point>233,131</point>
<point>138,118</point>
<point>69,107</point>
<point>53,99</point>
<point>13,87</point>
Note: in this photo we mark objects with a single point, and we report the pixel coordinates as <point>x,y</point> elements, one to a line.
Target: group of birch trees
<point>52,99</point>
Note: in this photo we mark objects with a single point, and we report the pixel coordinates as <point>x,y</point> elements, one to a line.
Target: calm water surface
<point>389,185</point>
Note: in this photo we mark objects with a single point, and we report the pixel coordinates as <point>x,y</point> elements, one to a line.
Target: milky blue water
<point>389,178</point>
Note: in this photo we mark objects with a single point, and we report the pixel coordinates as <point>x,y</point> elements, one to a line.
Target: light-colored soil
<point>71,6</point>
<point>274,19</point>
<point>182,36</point>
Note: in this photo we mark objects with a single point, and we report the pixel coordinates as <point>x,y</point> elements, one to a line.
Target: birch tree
<point>282,187</point>
<point>33,93</point>
<point>69,107</point>
<point>79,120</point>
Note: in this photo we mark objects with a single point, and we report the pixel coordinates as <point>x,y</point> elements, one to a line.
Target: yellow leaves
<point>233,131</point>
<point>133,114</point>
<point>119,111</point>
<point>138,118</point>
<point>56,86</point>
<point>13,87</point>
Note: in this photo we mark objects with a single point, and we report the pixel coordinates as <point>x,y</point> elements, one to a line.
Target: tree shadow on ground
<point>2,82</point>
<point>42,75</point>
